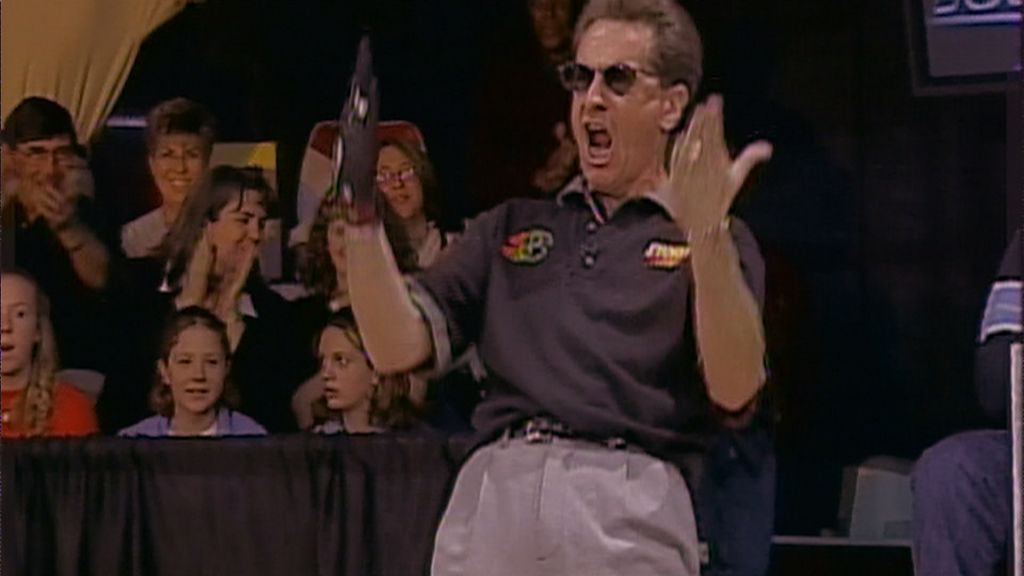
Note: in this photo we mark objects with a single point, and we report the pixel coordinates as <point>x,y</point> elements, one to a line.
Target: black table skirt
<point>291,505</point>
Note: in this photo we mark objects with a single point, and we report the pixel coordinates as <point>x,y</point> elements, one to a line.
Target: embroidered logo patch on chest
<point>529,246</point>
<point>665,255</point>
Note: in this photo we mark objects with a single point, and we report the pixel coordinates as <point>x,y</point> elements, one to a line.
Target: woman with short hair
<point>179,140</point>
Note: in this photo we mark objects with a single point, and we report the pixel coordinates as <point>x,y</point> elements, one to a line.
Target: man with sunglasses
<point>613,321</point>
<point>50,226</point>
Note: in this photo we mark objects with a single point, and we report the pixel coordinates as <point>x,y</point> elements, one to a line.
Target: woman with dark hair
<point>406,178</point>
<point>193,394</point>
<point>211,249</point>
<point>34,403</point>
<point>325,274</point>
<point>209,260</point>
<point>356,398</point>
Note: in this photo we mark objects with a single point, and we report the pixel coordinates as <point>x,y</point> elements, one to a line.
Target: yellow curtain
<point>76,52</point>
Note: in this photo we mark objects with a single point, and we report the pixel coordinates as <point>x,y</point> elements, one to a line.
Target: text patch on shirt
<point>530,246</point>
<point>665,255</point>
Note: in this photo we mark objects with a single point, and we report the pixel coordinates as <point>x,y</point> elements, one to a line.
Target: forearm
<point>89,257</point>
<point>730,334</point>
<point>395,334</point>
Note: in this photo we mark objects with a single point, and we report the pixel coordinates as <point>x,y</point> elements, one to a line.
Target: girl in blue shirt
<point>192,395</point>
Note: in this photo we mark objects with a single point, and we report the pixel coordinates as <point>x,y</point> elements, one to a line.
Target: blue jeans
<point>736,502</point>
<point>962,505</point>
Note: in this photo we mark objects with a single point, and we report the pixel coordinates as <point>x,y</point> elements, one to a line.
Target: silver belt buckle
<point>535,434</point>
<point>616,443</point>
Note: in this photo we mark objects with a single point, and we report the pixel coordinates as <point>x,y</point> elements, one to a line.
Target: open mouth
<point>599,143</point>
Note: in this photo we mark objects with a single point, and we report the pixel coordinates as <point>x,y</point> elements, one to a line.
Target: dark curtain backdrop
<point>276,506</point>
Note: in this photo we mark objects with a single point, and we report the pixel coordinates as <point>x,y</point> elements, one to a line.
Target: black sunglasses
<point>619,78</point>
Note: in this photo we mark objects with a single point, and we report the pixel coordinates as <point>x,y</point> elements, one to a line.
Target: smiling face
<point>19,324</point>
<point>177,163</point>
<point>348,378</point>
<point>399,182</point>
<point>195,370</point>
<point>236,232</point>
<point>44,163</point>
<point>622,138</point>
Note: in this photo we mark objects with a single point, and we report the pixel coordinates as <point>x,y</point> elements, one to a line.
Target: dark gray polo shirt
<point>578,316</point>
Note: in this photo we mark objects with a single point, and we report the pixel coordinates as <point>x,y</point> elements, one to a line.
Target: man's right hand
<point>56,207</point>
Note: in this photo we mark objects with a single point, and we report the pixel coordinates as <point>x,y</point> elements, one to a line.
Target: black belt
<point>543,430</point>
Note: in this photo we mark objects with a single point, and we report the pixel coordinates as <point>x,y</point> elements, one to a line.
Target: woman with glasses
<point>406,179</point>
<point>179,139</point>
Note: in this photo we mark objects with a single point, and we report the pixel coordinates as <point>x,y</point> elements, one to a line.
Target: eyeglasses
<point>403,176</point>
<point>63,155</point>
<point>619,78</point>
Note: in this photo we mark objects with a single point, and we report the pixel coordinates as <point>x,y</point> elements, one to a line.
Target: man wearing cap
<point>613,320</point>
<point>49,223</point>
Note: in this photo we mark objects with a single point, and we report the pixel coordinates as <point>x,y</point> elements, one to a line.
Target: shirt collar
<point>578,189</point>
<point>246,306</point>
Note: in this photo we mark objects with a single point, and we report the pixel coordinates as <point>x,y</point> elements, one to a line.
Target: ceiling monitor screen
<point>963,45</point>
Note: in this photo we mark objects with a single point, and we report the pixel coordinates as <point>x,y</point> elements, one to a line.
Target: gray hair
<point>678,52</point>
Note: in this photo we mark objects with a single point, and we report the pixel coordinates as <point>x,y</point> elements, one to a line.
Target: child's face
<point>195,370</point>
<point>19,324</point>
<point>348,378</point>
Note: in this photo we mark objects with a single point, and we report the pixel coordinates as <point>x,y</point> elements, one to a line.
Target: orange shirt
<point>73,413</point>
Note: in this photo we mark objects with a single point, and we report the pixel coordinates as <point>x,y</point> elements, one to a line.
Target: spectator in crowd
<point>405,176</point>
<point>51,227</point>
<point>523,146</point>
<point>209,259</point>
<point>326,280</point>
<point>193,395</point>
<point>962,487</point>
<point>356,399</point>
<point>326,275</point>
<point>34,403</point>
<point>179,139</point>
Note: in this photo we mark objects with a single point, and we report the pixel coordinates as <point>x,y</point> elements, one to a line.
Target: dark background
<point>882,215</point>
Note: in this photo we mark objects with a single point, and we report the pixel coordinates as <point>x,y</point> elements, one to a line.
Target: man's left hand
<point>704,177</point>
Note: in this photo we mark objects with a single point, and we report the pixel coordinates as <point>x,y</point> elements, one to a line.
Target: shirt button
<point>591,226</point>
<point>589,261</point>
